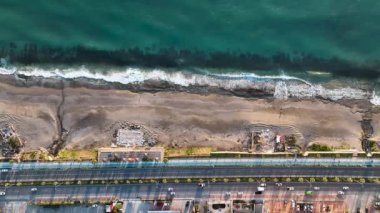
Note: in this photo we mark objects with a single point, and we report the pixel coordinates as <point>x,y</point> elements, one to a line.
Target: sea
<point>297,48</point>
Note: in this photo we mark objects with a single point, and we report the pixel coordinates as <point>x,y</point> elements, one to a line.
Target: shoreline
<point>210,116</point>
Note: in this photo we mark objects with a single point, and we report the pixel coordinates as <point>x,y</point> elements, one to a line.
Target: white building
<point>130,137</point>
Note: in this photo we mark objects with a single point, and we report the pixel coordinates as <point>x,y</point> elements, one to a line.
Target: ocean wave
<point>282,86</point>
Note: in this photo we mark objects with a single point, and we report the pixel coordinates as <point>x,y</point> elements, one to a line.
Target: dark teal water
<point>324,28</point>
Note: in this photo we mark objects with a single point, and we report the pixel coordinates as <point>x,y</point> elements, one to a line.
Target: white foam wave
<point>375,99</point>
<point>282,86</point>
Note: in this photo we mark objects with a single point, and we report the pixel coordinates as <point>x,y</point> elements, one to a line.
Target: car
<point>170,189</point>
<point>340,192</point>
<point>2,193</point>
<point>316,188</point>
<point>278,184</point>
<point>33,189</point>
<point>227,193</point>
<point>240,193</point>
<point>172,193</point>
<point>345,188</point>
<point>290,188</point>
<point>202,185</point>
<point>263,184</point>
<point>4,170</point>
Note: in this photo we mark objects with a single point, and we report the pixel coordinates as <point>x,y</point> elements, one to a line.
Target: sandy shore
<point>176,118</point>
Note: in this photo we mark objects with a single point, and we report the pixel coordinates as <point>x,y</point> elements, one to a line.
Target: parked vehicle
<point>345,188</point>
<point>309,192</point>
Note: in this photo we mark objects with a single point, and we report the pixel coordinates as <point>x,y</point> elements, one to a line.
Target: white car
<point>170,189</point>
<point>279,184</point>
<point>290,188</point>
<point>4,170</point>
<point>202,185</point>
<point>227,193</point>
<point>263,184</point>
<point>33,189</point>
<point>340,192</point>
<point>172,193</point>
<point>2,193</point>
<point>240,193</point>
<point>345,188</point>
<point>316,188</point>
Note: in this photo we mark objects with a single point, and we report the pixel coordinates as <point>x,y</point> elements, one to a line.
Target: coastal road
<point>328,191</point>
<point>184,172</point>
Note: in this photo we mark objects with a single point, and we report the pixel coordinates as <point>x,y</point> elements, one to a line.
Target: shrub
<point>300,179</point>
<point>319,147</point>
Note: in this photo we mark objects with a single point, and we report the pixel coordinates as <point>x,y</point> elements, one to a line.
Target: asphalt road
<point>185,172</point>
<point>188,191</point>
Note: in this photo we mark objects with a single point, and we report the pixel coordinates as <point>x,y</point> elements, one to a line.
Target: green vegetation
<point>77,155</point>
<point>15,142</point>
<point>191,151</point>
<point>319,147</point>
<point>249,155</point>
